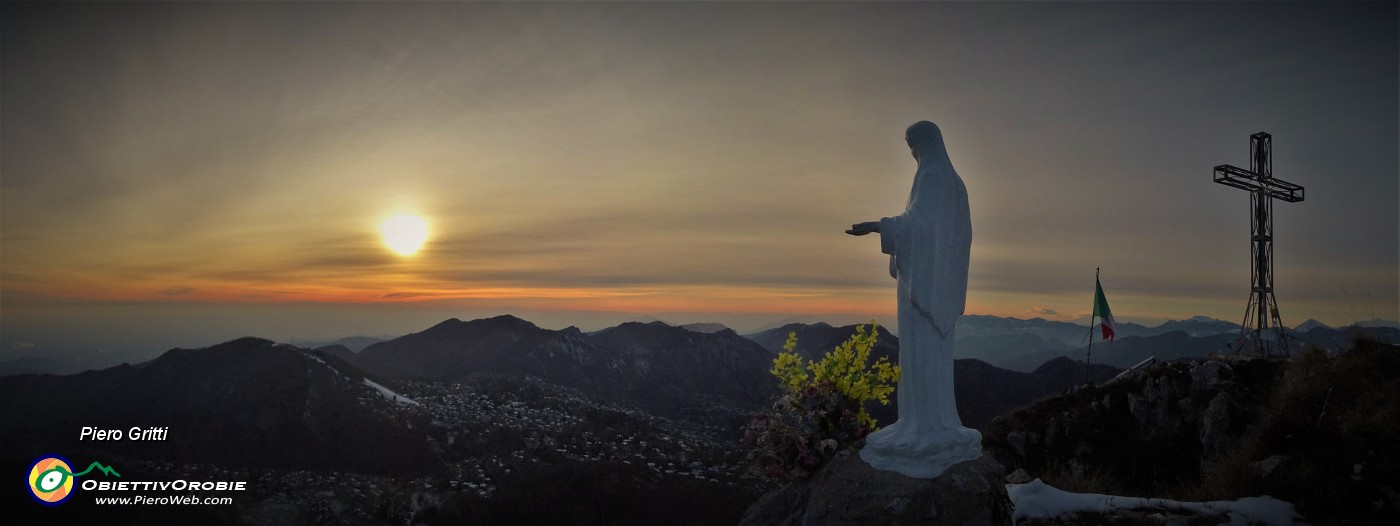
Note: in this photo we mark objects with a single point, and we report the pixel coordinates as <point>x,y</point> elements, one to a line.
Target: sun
<point>404,233</point>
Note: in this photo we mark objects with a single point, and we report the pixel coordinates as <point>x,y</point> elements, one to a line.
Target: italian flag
<point>1101,310</point>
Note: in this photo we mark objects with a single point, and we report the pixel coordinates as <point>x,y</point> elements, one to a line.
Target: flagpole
<point>1089,351</point>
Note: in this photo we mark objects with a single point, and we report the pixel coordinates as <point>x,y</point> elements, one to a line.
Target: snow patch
<point>1038,500</point>
<point>389,393</point>
<point>1132,371</point>
<point>328,366</point>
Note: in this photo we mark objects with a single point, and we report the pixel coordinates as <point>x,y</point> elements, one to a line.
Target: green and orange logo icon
<point>51,478</point>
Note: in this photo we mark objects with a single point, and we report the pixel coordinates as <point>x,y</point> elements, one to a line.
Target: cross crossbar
<point>1246,180</point>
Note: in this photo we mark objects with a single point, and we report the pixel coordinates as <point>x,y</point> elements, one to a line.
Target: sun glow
<point>404,233</point>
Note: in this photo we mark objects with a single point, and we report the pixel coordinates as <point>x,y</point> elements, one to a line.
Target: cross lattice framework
<point>1263,190</point>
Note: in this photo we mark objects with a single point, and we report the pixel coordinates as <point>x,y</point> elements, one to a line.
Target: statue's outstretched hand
<point>860,229</point>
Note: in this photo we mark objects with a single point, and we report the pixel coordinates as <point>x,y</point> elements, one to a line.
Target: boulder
<point>1210,374</point>
<point>1216,424</point>
<point>849,491</point>
<point>1019,477</point>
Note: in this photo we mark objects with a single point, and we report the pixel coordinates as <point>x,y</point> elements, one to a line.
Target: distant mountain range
<point>1025,344</point>
<point>1310,325</point>
<point>351,343</point>
<point>674,370</point>
<point>1191,340</point>
<point>1378,323</point>
<point>1194,326</point>
<point>978,326</point>
<point>704,327</point>
<point>1126,351</point>
<point>1021,345</point>
<point>1010,343</point>
<point>338,351</point>
<point>651,365</point>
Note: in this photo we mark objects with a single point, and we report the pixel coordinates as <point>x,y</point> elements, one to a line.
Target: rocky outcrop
<point>849,491</point>
<point>1169,420</point>
<point>1305,431</point>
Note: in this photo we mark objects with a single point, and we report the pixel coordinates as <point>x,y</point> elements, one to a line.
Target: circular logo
<point>51,480</point>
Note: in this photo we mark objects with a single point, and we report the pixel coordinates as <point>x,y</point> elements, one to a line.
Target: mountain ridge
<point>247,401</point>
<point>654,364</point>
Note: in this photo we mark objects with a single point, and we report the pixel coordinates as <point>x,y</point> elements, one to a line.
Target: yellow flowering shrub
<point>821,407</point>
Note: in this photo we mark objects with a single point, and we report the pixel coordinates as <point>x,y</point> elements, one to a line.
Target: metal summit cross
<point>1263,190</point>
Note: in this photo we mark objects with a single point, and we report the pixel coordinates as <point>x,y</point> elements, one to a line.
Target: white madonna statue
<point>929,245</point>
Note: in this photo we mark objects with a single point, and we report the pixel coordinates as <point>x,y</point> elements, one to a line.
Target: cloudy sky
<point>226,167</point>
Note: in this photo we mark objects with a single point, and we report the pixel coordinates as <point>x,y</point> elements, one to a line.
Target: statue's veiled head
<point>925,141</point>
<point>926,144</point>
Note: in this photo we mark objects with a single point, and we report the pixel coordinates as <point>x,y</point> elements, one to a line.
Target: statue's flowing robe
<point>929,247</point>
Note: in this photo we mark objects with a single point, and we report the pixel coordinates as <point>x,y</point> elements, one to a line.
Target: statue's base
<point>849,491</point>
<point>920,455</point>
